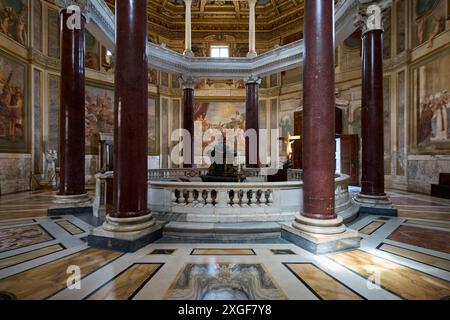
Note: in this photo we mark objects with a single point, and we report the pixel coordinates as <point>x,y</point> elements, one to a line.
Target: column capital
<point>371,15</point>
<point>253,80</point>
<point>187,82</point>
<point>80,6</point>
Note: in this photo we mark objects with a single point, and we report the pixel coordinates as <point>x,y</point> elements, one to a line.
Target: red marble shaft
<point>318,110</point>
<point>188,121</point>
<point>252,121</point>
<point>72,117</point>
<point>131,110</point>
<point>372,114</point>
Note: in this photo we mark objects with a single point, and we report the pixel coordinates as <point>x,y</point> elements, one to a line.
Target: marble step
<point>224,231</point>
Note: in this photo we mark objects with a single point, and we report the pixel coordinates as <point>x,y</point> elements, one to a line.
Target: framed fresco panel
<point>52,142</point>
<point>14,113</point>
<point>153,126</point>
<point>53,33</point>
<point>431,104</point>
<point>220,116</point>
<point>99,113</point>
<point>14,20</point>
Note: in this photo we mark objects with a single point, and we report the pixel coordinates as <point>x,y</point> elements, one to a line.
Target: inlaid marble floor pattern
<point>405,257</point>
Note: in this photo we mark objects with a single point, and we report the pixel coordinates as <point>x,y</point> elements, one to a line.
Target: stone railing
<point>196,201</point>
<point>174,174</point>
<point>225,202</point>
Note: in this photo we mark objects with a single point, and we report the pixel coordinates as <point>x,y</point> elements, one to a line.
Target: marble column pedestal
<point>126,234</point>
<point>376,205</point>
<point>70,204</point>
<point>321,243</point>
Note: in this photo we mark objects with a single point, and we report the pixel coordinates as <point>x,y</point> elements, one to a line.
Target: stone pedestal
<point>377,205</point>
<point>130,241</point>
<point>321,243</point>
<point>71,204</point>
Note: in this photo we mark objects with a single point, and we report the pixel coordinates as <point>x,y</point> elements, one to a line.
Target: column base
<point>188,53</point>
<point>376,205</point>
<point>319,244</point>
<point>316,226</point>
<point>252,54</point>
<point>125,234</point>
<point>71,204</point>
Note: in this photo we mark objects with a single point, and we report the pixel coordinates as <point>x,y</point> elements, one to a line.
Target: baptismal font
<point>224,172</point>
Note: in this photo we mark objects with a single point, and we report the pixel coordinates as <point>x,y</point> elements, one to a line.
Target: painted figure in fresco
<point>152,76</point>
<point>11,109</point>
<point>91,60</point>
<point>439,120</point>
<point>437,29</point>
<point>425,128</point>
<point>16,113</point>
<point>21,28</point>
<point>446,103</point>
<point>7,21</point>
<point>421,22</point>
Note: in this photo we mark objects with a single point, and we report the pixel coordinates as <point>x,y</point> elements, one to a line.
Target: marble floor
<point>406,257</point>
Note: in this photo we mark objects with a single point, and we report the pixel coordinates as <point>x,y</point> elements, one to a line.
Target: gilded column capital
<point>76,6</point>
<point>187,82</point>
<point>253,80</point>
<point>371,14</point>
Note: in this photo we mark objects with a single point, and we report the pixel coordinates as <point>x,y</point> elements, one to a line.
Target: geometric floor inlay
<point>19,237</point>
<point>125,285</point>
<point>70,227</point>
<point>282,252</point>
<point>224,282</point>
<point>371,227</point>
<point>426,238</point>
<point>405,282</point>
<point>427,259</point>
<point>162,252</point>
<point>44,281</point>
<point>30,255</point>
<point>405,257</point>
<point>223,252</point>
<point>323,285</point>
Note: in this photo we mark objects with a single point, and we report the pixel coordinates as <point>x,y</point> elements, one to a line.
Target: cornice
<point>277,60</point>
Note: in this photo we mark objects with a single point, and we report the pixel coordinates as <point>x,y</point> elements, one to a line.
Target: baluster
<point>240,199</point>
<point>254,199</point>
<point>174,198</point>
<point>209,199</point>
<point>270,198</point>
<point>195,196</point>
<point>190,198</point>
<point>229,198</point>
<point>222,198</point>
<point>184,197</point>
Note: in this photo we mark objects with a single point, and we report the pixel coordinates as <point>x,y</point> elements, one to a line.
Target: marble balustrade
<point>197,201</point>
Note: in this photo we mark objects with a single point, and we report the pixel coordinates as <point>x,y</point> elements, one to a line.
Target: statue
<point>51,156</point>
<point>289,140</point>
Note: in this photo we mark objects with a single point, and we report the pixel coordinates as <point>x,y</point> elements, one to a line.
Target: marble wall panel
<point>14,173</point>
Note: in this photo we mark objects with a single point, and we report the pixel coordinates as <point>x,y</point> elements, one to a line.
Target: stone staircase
<point>442,190</point>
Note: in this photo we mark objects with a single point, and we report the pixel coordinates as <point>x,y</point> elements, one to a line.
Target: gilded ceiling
<point>224,15</point>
